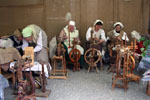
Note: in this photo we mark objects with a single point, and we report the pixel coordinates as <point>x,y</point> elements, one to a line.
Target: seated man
<point>17,40</point>
<point>74,34</point>
<point>98,34</point>
<point>36,37</point>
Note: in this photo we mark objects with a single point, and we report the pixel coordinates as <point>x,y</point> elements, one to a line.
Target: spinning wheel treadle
<point>92,57</point>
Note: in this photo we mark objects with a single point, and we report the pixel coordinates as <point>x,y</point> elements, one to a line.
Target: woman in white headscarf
<point>117,33</point>
<point>74,33</point>
<point>98,33</point>
<point>114,37</point>
<point>71,30</point>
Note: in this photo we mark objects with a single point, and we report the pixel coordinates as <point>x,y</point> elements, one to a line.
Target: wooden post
<point>44,79</point>
<point>148,88</point>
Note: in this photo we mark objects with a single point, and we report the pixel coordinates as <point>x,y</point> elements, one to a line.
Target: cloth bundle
<point>144,63</point>
<point>36,67</point>
<point>5,43</point>
<point>146,76</point>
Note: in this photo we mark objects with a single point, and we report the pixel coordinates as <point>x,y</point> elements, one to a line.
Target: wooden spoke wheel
<point>74,56</point>
<point>92,57</point>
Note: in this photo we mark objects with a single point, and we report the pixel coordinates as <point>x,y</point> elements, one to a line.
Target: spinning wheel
<point>74,56</point>
<point>92,56</point>
<point>26,88</point>
<point>126,74</point>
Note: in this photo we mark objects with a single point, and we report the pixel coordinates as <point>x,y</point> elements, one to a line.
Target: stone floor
<point>89,86</point>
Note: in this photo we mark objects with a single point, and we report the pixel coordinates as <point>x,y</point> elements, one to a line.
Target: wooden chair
<point>7,75</point>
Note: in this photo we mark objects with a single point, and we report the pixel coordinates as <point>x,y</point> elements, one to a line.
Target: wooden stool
<point>59,73</point>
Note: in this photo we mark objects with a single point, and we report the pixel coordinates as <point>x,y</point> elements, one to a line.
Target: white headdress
<point>118,23</point>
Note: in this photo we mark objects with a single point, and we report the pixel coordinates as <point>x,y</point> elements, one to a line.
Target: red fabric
<point>140,45</point>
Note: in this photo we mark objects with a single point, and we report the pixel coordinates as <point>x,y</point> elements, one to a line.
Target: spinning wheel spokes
<point>92,56</point>
<point>74,55</point>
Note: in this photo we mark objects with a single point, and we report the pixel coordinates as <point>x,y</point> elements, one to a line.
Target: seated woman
<point>74,34</point>
<point>117,33</point>
<point>115,37</point>
<point>98,34</point>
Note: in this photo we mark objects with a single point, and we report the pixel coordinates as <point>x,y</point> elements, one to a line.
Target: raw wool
<point>5,43</point>
<point>68,17</point>
<point>52,47</point>
<point>136,35</point>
